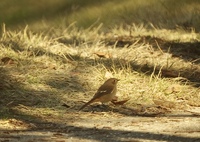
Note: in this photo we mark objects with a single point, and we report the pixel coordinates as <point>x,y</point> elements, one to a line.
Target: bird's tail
<point>86,104</point>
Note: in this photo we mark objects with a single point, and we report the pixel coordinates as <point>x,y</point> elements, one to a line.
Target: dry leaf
<point>119,102</point>
<point>102,55</point>
<point>7,60</point>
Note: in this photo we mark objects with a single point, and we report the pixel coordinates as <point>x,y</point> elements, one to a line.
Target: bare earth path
<point>183,126</point>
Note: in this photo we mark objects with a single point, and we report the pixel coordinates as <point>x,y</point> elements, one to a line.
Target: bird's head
<point>112,81</point>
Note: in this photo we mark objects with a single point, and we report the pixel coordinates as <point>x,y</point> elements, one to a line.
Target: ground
<point>106,126</point>
<point>46,78</point>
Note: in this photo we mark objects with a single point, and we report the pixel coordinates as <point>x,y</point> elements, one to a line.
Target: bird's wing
<point>103,90</point>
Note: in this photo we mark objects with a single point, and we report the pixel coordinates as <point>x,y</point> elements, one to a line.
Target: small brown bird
<point>105,93</point>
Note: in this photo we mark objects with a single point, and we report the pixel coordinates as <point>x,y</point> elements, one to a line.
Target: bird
<point>105,93</point>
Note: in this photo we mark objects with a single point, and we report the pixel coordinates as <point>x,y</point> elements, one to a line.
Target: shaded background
<point>40,15</point>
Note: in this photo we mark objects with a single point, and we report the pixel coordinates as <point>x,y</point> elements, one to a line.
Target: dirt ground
<point>117,125</point>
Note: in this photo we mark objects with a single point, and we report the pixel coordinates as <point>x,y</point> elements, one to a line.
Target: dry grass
<point>45,71</point>
<point>39,16</point>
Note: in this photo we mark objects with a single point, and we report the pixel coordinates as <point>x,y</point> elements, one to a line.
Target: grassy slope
<point>58,65</point>
<point>43,72</point>
<point>44,15</point>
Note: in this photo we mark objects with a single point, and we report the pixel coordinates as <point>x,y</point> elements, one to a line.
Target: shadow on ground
<point>60,131</point>
<point>13,93</point>
<point>188,51</point>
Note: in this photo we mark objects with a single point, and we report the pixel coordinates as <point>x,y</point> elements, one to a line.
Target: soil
<point>106,125</point>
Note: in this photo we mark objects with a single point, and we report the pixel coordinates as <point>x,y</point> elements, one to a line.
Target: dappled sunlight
<point>54,64</point>
<point>13,124</point>
<point>105,132</point>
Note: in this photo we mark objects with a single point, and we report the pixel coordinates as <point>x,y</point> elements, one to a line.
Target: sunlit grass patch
<point>68,67</point>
